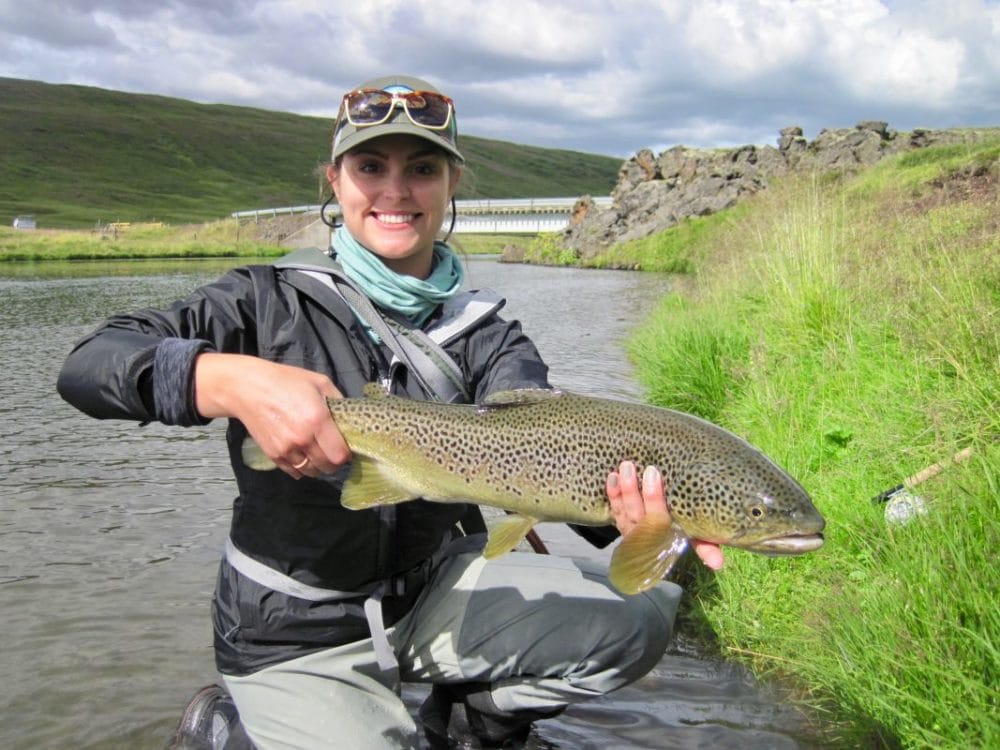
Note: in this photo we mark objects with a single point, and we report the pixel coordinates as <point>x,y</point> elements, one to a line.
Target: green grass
<point>219,239</point>
<point>75,156</point>
<point>851,330</point>
<point>486,244</point>
<point>674,250</point>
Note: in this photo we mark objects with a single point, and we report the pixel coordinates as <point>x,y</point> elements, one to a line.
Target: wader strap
<point>278,581</point>
<point>384,654</point>
<point>421,352</point>
<point>436,372</point>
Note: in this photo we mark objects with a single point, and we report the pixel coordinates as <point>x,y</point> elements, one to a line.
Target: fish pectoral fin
<point>368,486</point>
<point>506,533</point>
<point>646,554</point>
<point>254,457</point>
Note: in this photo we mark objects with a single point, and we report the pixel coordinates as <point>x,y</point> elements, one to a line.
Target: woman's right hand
<point>632,498</point>
<point>283,408</point>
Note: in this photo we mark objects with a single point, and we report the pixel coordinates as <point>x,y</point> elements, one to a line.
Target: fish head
<point>746,501</point>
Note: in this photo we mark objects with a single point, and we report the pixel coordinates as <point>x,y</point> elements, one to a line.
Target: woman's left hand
<point>631,500</point>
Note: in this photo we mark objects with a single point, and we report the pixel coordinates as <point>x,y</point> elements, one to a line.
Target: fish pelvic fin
<point>506,533</point>
<point>367,486</point>
<point>254,457</point>
<point>646,554</point>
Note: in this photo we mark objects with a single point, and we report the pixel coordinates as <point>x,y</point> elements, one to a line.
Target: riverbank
<point>850,327</point>
<point>225,238</point>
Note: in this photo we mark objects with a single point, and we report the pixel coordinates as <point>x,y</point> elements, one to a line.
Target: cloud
<point>24,28</point>
<point>610,77</point>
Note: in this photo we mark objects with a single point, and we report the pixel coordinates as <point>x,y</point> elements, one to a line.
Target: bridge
<point>480,215</point>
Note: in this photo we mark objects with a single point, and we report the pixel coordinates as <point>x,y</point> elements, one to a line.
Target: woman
<point>320,611</point>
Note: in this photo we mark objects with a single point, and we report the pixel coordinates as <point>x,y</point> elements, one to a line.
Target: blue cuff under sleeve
<point>173,381</point>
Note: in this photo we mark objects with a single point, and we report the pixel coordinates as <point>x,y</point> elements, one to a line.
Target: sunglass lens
<point>366,107</point>
<point>428,109</point>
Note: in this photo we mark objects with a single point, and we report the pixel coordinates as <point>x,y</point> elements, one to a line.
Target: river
<point>110,532</point>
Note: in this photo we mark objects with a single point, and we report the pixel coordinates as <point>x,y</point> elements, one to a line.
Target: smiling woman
<point>320,611</point>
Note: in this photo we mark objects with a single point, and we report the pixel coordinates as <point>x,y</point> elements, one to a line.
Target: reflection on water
<point>110,532</point>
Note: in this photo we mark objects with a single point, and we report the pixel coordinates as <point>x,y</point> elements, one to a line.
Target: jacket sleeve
<point>140,366</point>
<point>500,357</point>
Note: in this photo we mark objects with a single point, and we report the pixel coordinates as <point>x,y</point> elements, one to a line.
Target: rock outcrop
<point>655,192</point>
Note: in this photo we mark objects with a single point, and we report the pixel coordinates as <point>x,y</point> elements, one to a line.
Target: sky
<point>607,77</point>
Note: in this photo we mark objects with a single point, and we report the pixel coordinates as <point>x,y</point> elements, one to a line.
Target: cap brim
<point>363,135</point>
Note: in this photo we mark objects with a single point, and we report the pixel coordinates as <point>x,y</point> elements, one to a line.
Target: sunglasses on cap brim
<point>426,109</point>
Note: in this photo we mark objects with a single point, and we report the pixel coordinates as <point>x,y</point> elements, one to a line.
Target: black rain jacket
<point>140,366</point>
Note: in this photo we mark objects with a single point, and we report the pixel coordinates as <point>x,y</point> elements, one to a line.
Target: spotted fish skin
<point>546,455</point>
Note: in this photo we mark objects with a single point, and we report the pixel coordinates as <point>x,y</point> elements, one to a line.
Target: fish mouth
<point>789,544</point>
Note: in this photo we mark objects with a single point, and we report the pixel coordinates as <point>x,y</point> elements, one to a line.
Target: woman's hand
<point>283,408</point>
<point>630,502</point>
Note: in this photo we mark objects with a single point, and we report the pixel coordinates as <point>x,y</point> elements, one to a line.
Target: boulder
<point>512,254</point>
<point>655,192</point>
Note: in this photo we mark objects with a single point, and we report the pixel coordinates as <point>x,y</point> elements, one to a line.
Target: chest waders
<point>421,354</point>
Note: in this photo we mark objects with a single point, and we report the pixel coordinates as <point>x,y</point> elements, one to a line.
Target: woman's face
<point>393,193</point>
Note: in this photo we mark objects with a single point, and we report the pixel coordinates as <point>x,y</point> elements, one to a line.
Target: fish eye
<point>757,510</point>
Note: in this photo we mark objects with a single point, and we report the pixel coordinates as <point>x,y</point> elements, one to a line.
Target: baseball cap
<point>347,135</point>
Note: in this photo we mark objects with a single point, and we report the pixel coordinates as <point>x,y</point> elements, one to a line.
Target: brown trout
<point>545,456</point>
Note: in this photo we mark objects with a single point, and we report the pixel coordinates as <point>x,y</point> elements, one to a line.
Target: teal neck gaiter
<point>415,299</point>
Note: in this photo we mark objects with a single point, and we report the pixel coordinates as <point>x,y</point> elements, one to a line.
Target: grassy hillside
<point>73,156</point>
<point>850,327</point>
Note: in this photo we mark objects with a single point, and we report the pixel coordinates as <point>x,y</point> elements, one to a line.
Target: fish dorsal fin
<point>506,533</point>
<point>367,486</point>
<point>371,391</point>
<point>374,390</point>
<point>646,554</point>
<point>521,397</point>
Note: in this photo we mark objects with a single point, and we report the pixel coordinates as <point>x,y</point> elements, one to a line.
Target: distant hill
<point>75,155</point>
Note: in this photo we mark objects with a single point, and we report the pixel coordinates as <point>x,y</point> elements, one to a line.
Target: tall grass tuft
<point>851,330</point>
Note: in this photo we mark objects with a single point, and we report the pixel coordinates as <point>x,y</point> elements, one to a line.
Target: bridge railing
<point>472,206</point>
<point>511,224</point>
